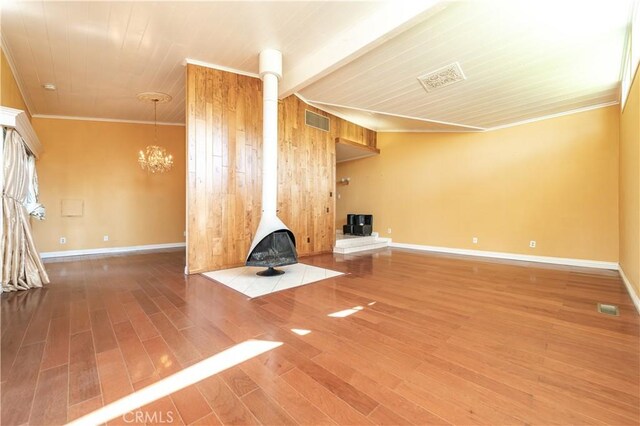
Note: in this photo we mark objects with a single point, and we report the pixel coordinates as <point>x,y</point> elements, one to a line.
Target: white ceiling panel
<point>522,60</point>
<point>101,54</point>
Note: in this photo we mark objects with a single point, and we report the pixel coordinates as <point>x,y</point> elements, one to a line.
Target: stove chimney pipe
<point>270,73</point>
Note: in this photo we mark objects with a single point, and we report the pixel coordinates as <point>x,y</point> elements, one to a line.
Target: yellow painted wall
<point>97,162</point>
<point>10,95</point>
<point>553,181</point>
<point>630,187</point>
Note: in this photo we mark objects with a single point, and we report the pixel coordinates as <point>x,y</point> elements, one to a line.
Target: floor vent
<point>608,309</point>
<point>318,121</point>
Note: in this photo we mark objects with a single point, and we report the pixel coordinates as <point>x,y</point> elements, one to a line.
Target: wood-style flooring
<point>439,340</point>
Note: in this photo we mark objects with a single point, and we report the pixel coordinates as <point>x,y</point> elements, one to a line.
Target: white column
<point>270,72</point>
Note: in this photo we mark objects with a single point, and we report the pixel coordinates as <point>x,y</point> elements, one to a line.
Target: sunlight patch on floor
<point>346,312</point>
<point>180,380</point>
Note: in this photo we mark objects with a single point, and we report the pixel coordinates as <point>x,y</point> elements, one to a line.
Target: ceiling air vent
<point>442,77</point>
<point>316,120</point>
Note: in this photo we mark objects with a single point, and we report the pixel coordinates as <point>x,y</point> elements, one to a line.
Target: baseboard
<point>109,250</point>
<point>632,293</point>
<point>512,256</point>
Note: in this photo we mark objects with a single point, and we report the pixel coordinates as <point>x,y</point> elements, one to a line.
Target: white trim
<point>426,120</point>
<point>556,115</point>
<point>219,67</point>
<point>109,120</point>
<point>369,247</point>
<point>627,64</point>
<point>463,128</point>
<point>431,131</point>
<point>110,250</point>
<point>626,60</point>
<point>632,293</point>
<point>334,113</point>
<point>633,79</point>
<point>511,256</point>
<point>16,76</point>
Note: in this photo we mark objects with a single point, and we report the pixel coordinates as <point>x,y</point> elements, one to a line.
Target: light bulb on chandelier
<point>154,158</point>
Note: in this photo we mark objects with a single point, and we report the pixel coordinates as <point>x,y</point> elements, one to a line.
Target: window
<point>631,55</point>
<point>635,40</point>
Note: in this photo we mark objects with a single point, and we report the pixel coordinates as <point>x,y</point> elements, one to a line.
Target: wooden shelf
<point>347,150</point>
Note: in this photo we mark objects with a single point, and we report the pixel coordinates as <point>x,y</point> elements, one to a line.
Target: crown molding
<point>559,114</point>
<point>430,131</point>
<point>109,120</point>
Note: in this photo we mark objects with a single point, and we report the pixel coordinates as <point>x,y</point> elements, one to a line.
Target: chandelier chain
<point>155,120</point>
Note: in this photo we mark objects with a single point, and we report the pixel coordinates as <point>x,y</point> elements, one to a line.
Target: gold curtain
<point>21,267</point>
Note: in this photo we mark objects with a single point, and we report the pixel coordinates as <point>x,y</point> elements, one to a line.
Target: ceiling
<point>522,60</point>
<point>101,54</point>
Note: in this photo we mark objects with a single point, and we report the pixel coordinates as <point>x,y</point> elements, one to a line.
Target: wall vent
<point>318,121</point>
<point>442,77</point>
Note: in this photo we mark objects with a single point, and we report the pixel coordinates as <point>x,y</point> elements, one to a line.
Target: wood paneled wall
<point>306,178</point>
<point>224,182</point>
<point>353,132</point>
<point>224,142</point>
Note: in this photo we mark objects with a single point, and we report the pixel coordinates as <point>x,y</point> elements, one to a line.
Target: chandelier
<point>154,158</point>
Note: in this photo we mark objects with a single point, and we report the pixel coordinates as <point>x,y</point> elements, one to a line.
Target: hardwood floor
<point>439,340</point>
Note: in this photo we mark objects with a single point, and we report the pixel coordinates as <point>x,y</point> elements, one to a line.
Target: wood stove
<point>274,244</point>
<point>276,249</point>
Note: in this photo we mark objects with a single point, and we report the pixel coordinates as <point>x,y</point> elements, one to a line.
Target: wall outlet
<point>105,238</point>
<point>388,230</point>
<point>63,240</point>
<point>474,240</point>
<point>532,244</point>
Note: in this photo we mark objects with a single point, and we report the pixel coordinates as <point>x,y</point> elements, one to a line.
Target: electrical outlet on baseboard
<point>105,238</point>
<point>63,240</point>
<point>532,244</point>
<point>474,240</point>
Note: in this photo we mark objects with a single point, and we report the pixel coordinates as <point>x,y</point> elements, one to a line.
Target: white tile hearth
<point>245,280</point>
